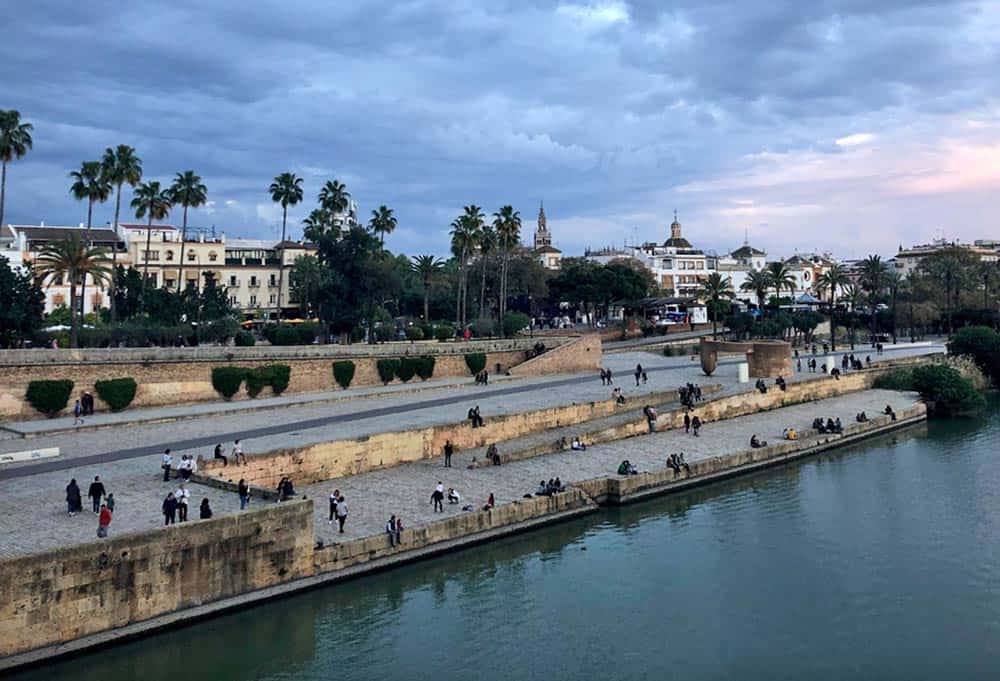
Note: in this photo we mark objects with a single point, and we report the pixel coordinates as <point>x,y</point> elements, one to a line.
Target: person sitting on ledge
<point>578,446</point>
<point>617,396</point>
<point>868,360</point>
<point>818,425</point>
<point>835,372</point>
<point>489,503</point>
<point>790,434</point>
<point>889,412</point>
<point>861,418</point>
<point>755,442</point>
<point>626,468</point>
<point>831,427</point>
<point>542,490</point>
<point>838,427</point>
<point>492,454</point>
<point>557,486</point>
<point>780,382</point>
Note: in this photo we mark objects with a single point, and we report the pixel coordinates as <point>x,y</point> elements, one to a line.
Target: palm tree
<point>121,166</point>
<point>986,271</point>
<point>949,270</point>
<point>759,283</point>
<point>383,222</point>
<point>427,267</point>
<point>715,287</point>
<point>15,140</point>
<point>90,183</point>
<point>148,200</point>
<point>462,243</point>
<point>780,276</point>
<point>872,281</point>
<point>335,198</point>
<point>320,222</point>
<point>475,223</point>
<point>73,260</point>
<point>286,190</point>
<point>893,282</point>
<point>832,280</point>
<point>507,226</point>
<point>852,294</point>
<point>189,191</point>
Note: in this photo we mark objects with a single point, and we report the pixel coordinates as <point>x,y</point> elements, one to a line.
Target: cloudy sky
<point>844,125</point>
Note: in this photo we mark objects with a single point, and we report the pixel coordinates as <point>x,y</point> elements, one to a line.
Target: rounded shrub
<point>414,333</point>
<point>514,322</point>
<point>387,369</point>
<point>425,366</point>
<point>286,335</point>
<point>306,333</point>
<point>256,379</point>
<point>281,376</point>
<point>49,397</point>
<point>384,334</point>
<point>407,368</point>
<point>444,332</point>
<point>357,334</point>
<point>483,327</point>
<point>244,339</point>
<point>476,361</point>
<point>117,393</point>
<point>227,380</point>
<point>343,373</point>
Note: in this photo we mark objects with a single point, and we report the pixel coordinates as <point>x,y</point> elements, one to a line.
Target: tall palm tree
<point>121,166</point>
<point>759,283</point>
<point>90,183</point>
<point>487,244</point>
<point>73,259</point>
<point>15,141</point>
<point>893,283</point>
<point>189,191</point>
<point>475,222</point>
<point>383,222</point>
<point>852,295</point>
<point>714,288</point>
<point>780,276</point>
<point>833,280</point>
<point>872,281</point>
<point>335,198</point>
<point>507,226</point>
<point>286,190</point>
<point>986,271</point>
<point>319,222</point>
<point>462,243</point>
<point>427,267</point>
<point>150,201</point>
<point>949,270</point>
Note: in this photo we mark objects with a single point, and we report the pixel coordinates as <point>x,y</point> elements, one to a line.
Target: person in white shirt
<point>238,454</point>
<point>341,513</point>
<point>453,496</point>
<point>182,496</point>
<point>165,464</point>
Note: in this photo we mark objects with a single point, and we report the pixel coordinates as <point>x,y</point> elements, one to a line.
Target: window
<point>253,300</point>
<point>170,256</point>
<point>668,264</point>
<point>233,281</point>
<point>232,300</point>
<point>253,281</point>
<point>151,255</point>
<point>58,300</point>
<point>701,265</point>
<point>192,256</point>
<point>169,283</point>
<point>273,299</point>
<point>273,281</point>
<point>213,256</point>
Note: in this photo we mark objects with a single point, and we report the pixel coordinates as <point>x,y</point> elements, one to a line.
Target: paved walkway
<point>36,519</point>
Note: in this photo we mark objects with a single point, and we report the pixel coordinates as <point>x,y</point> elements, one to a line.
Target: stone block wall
<point>580,354</point>
<point>65,594</point>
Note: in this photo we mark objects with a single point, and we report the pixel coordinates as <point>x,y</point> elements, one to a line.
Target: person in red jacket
<point>103,521</point>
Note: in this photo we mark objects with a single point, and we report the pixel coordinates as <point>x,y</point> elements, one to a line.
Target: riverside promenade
<point>136,481</point>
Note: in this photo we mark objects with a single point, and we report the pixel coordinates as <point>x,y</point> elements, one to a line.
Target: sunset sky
<point>850,126</point>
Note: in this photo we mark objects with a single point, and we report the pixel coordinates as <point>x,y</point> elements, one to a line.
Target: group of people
<point>606,378</point>
<point>175,506</point>
<point>626,468</point>
<point>677,462</point>
<point>689,394</point>
<point>861,417</point>
<point>888,411</point>
<point>483,377</point>
<point>790,434</point>
<point>475,418</point>
<point>394,530</point>
<point>692,424</point>
<point>852,362</point>
<point>187,466</point>
<point>285,489</point>
<point>338,509</point>
<point>547,489</point>
<point>640,374</point>
<point>237,454</point>
<point>618,396</point>
<point>493,454</point>
<point>828,426</point>
<point>103,503</point>
<point>84,406</point>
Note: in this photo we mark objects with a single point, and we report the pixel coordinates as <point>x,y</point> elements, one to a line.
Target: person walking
<point>696,425</point>
<point>334,496</point>
<point>437,498</point>
<point>243,489</point>
<point>74,504</point>
<point>78,414</point>
<point>638,374</point>
<point>449,449</point>
<point>169,509</point>
<point>96,492</point>
<point>110,501</point>
<point>165,462</point>
<point>182,496</point>
<point>220,455</point>
<point>238,454</point>
<point>687,422</point>
<point>103,521</point>
<point>341,513</point>
<point>205,511</point>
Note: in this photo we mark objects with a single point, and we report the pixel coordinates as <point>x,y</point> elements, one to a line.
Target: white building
<point>677,266</point>
<point>547,254</point>
<point>907,260</point>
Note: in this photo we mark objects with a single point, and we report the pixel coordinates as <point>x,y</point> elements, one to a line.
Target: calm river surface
<point>879,561</point>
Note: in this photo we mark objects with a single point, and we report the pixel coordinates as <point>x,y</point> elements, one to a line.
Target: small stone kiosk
<point>765,358</point>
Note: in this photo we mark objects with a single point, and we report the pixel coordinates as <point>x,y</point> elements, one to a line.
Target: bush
<point>270,332</point>
<point>281,376</point>
<point>286,335</point>
<point>897,379</point>
<point>387,369</point>
<point>445,332</point>
<point>514,322</point>
<point>343,373</point>
<point>245,339</point>
<point>275,375</point>
<point>407,368</point>
<point>943,387</point>
<point>117,393</point>
<point>227,380</point>
<point>476,361</point>
<point>384,334</point>
<point>483,327</point>
<point>49,397</point>
<point>256,379</point>
<point>428,331</point>
<point>425,367</point>
<point>414,333</point>
<point>357,334</point>
<point>218,331</point>
<point>306,333</point>
<point>983,345</point>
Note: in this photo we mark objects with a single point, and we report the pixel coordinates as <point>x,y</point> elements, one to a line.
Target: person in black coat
<point>170,509</point>
<point>205,512</point>
<point>96,492</point>
<point>73,501</point>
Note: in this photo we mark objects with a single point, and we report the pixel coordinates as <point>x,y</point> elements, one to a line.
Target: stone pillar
<point>744,372</point>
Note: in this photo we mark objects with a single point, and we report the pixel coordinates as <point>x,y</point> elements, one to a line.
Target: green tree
<point>286,190</point>
<point>319,223</point>
<point>487,242</point>
<point>951,269</point>
<point>334,198</point>
<point>714,288</point>
<point>72,259</point>
<point>308,281</point>
<point>507,226</point>
<point>128,291</point>
<point>427,268</point>
<point>22,303</point>
<point>465,231</point>
<point>758,282</point>
<point>780,277</point>
<point>382,222</point>
<point>90,184</point>
<point>121,166</point>
<point>872,280</point>
<point>15,141</point>
<point>190,192</point>
<point>833,280</point>
<point>852,296</point>
<point>152,202</point>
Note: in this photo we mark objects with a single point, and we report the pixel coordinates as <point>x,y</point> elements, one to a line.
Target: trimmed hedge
<point>513,322</point>
<point>414,333</point>
<point>387,369</point>
<point>286,335</point>
<point>343,373</point>
<point>476,361</point>
<point>275,375</point>
<point>244,339</point>
<point>227,380</point>
<point>425,367</point>
<point>281,376</point>
<point>444,332</point>
<point>49,397</point>
<point>384,334</point>
<point>256,379</point>
<point>407,368</point>
<point>117,393</point>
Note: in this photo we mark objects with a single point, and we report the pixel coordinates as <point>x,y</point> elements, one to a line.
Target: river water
<point>879,561</point>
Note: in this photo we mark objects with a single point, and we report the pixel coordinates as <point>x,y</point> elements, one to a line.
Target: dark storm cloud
<point>600,108</point>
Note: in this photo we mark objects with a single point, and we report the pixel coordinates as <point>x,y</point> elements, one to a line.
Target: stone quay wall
<point>578,355</point>
<point>62,595</point>
<point>170,376</point>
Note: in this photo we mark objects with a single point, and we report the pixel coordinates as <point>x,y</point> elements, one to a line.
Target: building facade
<point>547,254</point>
